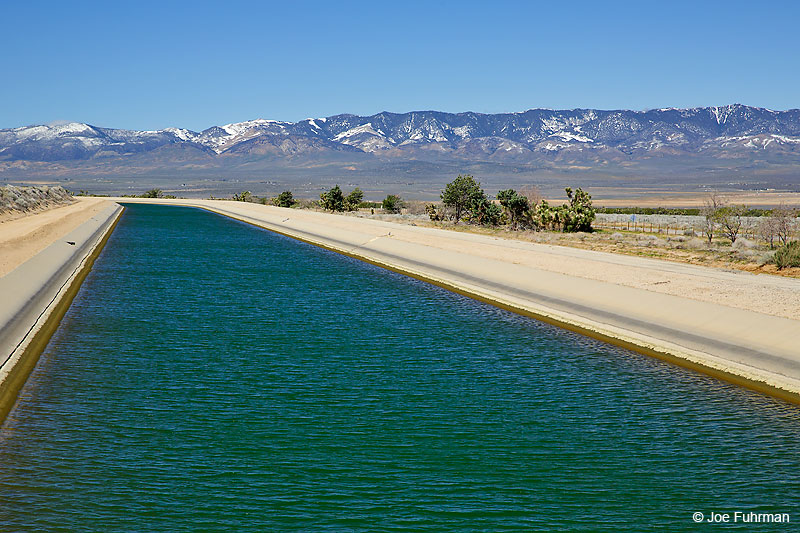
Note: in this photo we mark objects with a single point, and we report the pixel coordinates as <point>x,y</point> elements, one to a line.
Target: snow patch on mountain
<point>734,127</point>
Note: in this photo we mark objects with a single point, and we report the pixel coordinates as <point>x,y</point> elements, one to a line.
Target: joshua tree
<point>516,205</point>
<point>245,196</point>
<point>578,214</point>
<point>485,212</point>
<point>285,199</point>
<point>353,199</point>
<point>333,200</point>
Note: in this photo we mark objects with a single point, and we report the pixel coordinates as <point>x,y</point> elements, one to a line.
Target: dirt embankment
<point>32,218</point>
<point>17,202</point>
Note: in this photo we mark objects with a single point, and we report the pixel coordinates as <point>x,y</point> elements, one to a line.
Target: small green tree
<point>460,194</point>
<point>393,203</point>
<point>516,205</point>
<point>153,193</point>
<point>485,212</point>
<point>285,199</point>
<point>544,216</point>
<point>245,196</point>
<point>578,214</point>
<point>354,199</point>
<point>333,200</point>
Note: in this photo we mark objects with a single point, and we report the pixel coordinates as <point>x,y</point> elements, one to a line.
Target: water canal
<point>211,375</point>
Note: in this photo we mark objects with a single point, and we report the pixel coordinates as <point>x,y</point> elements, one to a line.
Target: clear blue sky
<point>149,65</point>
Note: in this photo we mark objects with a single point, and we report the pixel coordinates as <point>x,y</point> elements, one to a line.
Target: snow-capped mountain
<point>477,136</point>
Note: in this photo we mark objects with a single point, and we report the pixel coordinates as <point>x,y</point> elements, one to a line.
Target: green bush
<point>245,196</point>
<point>285,199</point>
<point>333,200</point>
<point>578,214</point>
<point>462,194</point>
<point>516,205</point>
<point>788,255</point>
<point>485,212</point>
<point>393,203</point>
<point>354,199</point>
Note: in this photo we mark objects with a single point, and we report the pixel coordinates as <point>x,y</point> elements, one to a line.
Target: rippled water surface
<point>214,376</point>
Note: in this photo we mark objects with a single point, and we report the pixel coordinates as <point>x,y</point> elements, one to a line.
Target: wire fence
<point>686,225</point>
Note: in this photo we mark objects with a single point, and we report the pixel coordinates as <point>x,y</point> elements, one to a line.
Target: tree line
<point>720,218</point>
<point>464,199</point>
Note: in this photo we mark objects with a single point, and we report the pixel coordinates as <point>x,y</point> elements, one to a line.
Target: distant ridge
<point>429,134</point>
<point>733,147</point>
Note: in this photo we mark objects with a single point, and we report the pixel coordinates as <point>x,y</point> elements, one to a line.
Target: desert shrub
<point>788,255</point>
<point>696,244</point>
<point>354,199</point>
<point>333,200</point>
<point>305,203</point>
<point>485,212</point>
<point>516,205</point>
<point>433,213</point>
<point>285,199</point>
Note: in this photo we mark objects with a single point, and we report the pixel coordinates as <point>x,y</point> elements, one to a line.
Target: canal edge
<point>18,365</point>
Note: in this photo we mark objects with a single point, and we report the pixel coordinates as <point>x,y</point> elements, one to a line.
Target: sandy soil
<point>23,237</point>
<point>692,251</point>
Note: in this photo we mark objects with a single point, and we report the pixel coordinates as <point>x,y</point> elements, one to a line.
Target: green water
<point>213,376</point>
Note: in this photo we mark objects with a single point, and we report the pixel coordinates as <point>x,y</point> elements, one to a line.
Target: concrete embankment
<point>753,348</point>
<point>37,293</point>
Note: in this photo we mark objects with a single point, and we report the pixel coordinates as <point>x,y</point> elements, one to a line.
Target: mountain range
<point>682,143</point>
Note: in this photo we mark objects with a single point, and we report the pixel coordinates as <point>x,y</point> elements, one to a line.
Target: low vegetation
<point>25,199</point>
<point>466,200</point>
<point>749,212</point>
<point>730,235</point>
<point>788,255</point>
<point>393,204</point>
<point>285,199</point>
<point>335,200</point>
<point>152,193</point>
